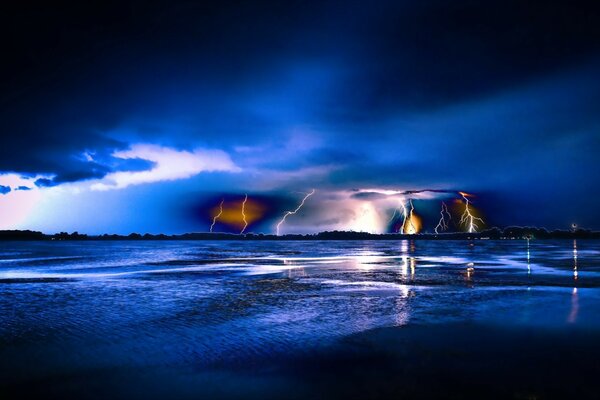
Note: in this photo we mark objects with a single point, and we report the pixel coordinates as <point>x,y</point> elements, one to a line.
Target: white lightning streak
<point>288,213</point>
<point>442,224</point>
<point>467,218</point>
<point>397,210</point>
<point>404,216</point>
<point>244,214</point>
<point>217,216</point>
<point>394,214</point>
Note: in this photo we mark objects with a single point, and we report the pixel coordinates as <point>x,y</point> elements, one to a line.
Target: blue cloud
<point>389,94</point>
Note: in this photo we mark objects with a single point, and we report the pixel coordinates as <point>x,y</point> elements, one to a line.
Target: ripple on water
<point>201,303</point>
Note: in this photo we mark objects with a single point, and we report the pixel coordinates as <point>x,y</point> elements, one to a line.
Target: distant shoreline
<point>509,233</point>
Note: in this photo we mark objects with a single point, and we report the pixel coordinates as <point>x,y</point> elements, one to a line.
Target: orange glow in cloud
<point>413,224</point>
<point>231,214</point>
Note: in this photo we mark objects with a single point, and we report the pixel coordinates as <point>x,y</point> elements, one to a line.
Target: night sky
<point>143,115</point>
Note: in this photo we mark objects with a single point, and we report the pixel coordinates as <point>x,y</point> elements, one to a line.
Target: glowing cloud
<point>169,164</point>
<point>228,213</point>
<point>366,219</point>
<point>412,223</point>
<point>17,205</point>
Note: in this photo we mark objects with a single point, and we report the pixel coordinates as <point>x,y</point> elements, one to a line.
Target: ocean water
<point>223,319</point>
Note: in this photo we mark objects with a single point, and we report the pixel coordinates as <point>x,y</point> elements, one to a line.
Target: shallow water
<point>73,311</point>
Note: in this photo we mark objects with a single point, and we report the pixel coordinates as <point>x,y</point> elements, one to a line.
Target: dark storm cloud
<point>82,170</point>
<point>430,53</point>
<point>82,69</point>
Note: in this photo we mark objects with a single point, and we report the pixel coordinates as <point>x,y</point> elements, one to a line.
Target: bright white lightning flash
<point>244,214</point>
<point>467,217</point>
<point>288,213</point>
<point>216,217</point>
<point>443,224</point>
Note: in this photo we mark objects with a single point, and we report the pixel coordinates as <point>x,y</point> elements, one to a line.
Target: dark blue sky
<point>142,116</point>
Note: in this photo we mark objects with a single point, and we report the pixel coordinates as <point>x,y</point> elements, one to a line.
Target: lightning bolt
<point>413,228</point>
<point>288,213</point>
<point>467,218</point>
<point>217,216</point>
<point>397,210</point>
<point>408,217</point>
<point>244,214</point>
<point>404,216</point>
<point>442,224</point>
<point>394,214</point>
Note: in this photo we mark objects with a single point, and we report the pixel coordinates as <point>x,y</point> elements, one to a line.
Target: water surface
<point>109,315</point>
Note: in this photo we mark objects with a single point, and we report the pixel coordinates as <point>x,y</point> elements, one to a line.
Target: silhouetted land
<point>494,233</point>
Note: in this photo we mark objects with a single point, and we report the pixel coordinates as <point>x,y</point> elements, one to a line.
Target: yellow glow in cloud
<point>413,224</point>
<point>232,212</point>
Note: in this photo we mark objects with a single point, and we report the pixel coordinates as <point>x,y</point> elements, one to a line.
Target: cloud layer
<point>168,165</point>
<point>498,97</point>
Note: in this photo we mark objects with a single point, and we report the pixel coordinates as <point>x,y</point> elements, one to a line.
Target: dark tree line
<point>512,232</point>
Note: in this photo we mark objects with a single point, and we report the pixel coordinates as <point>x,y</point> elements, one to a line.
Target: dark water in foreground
<point>300,319</point>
